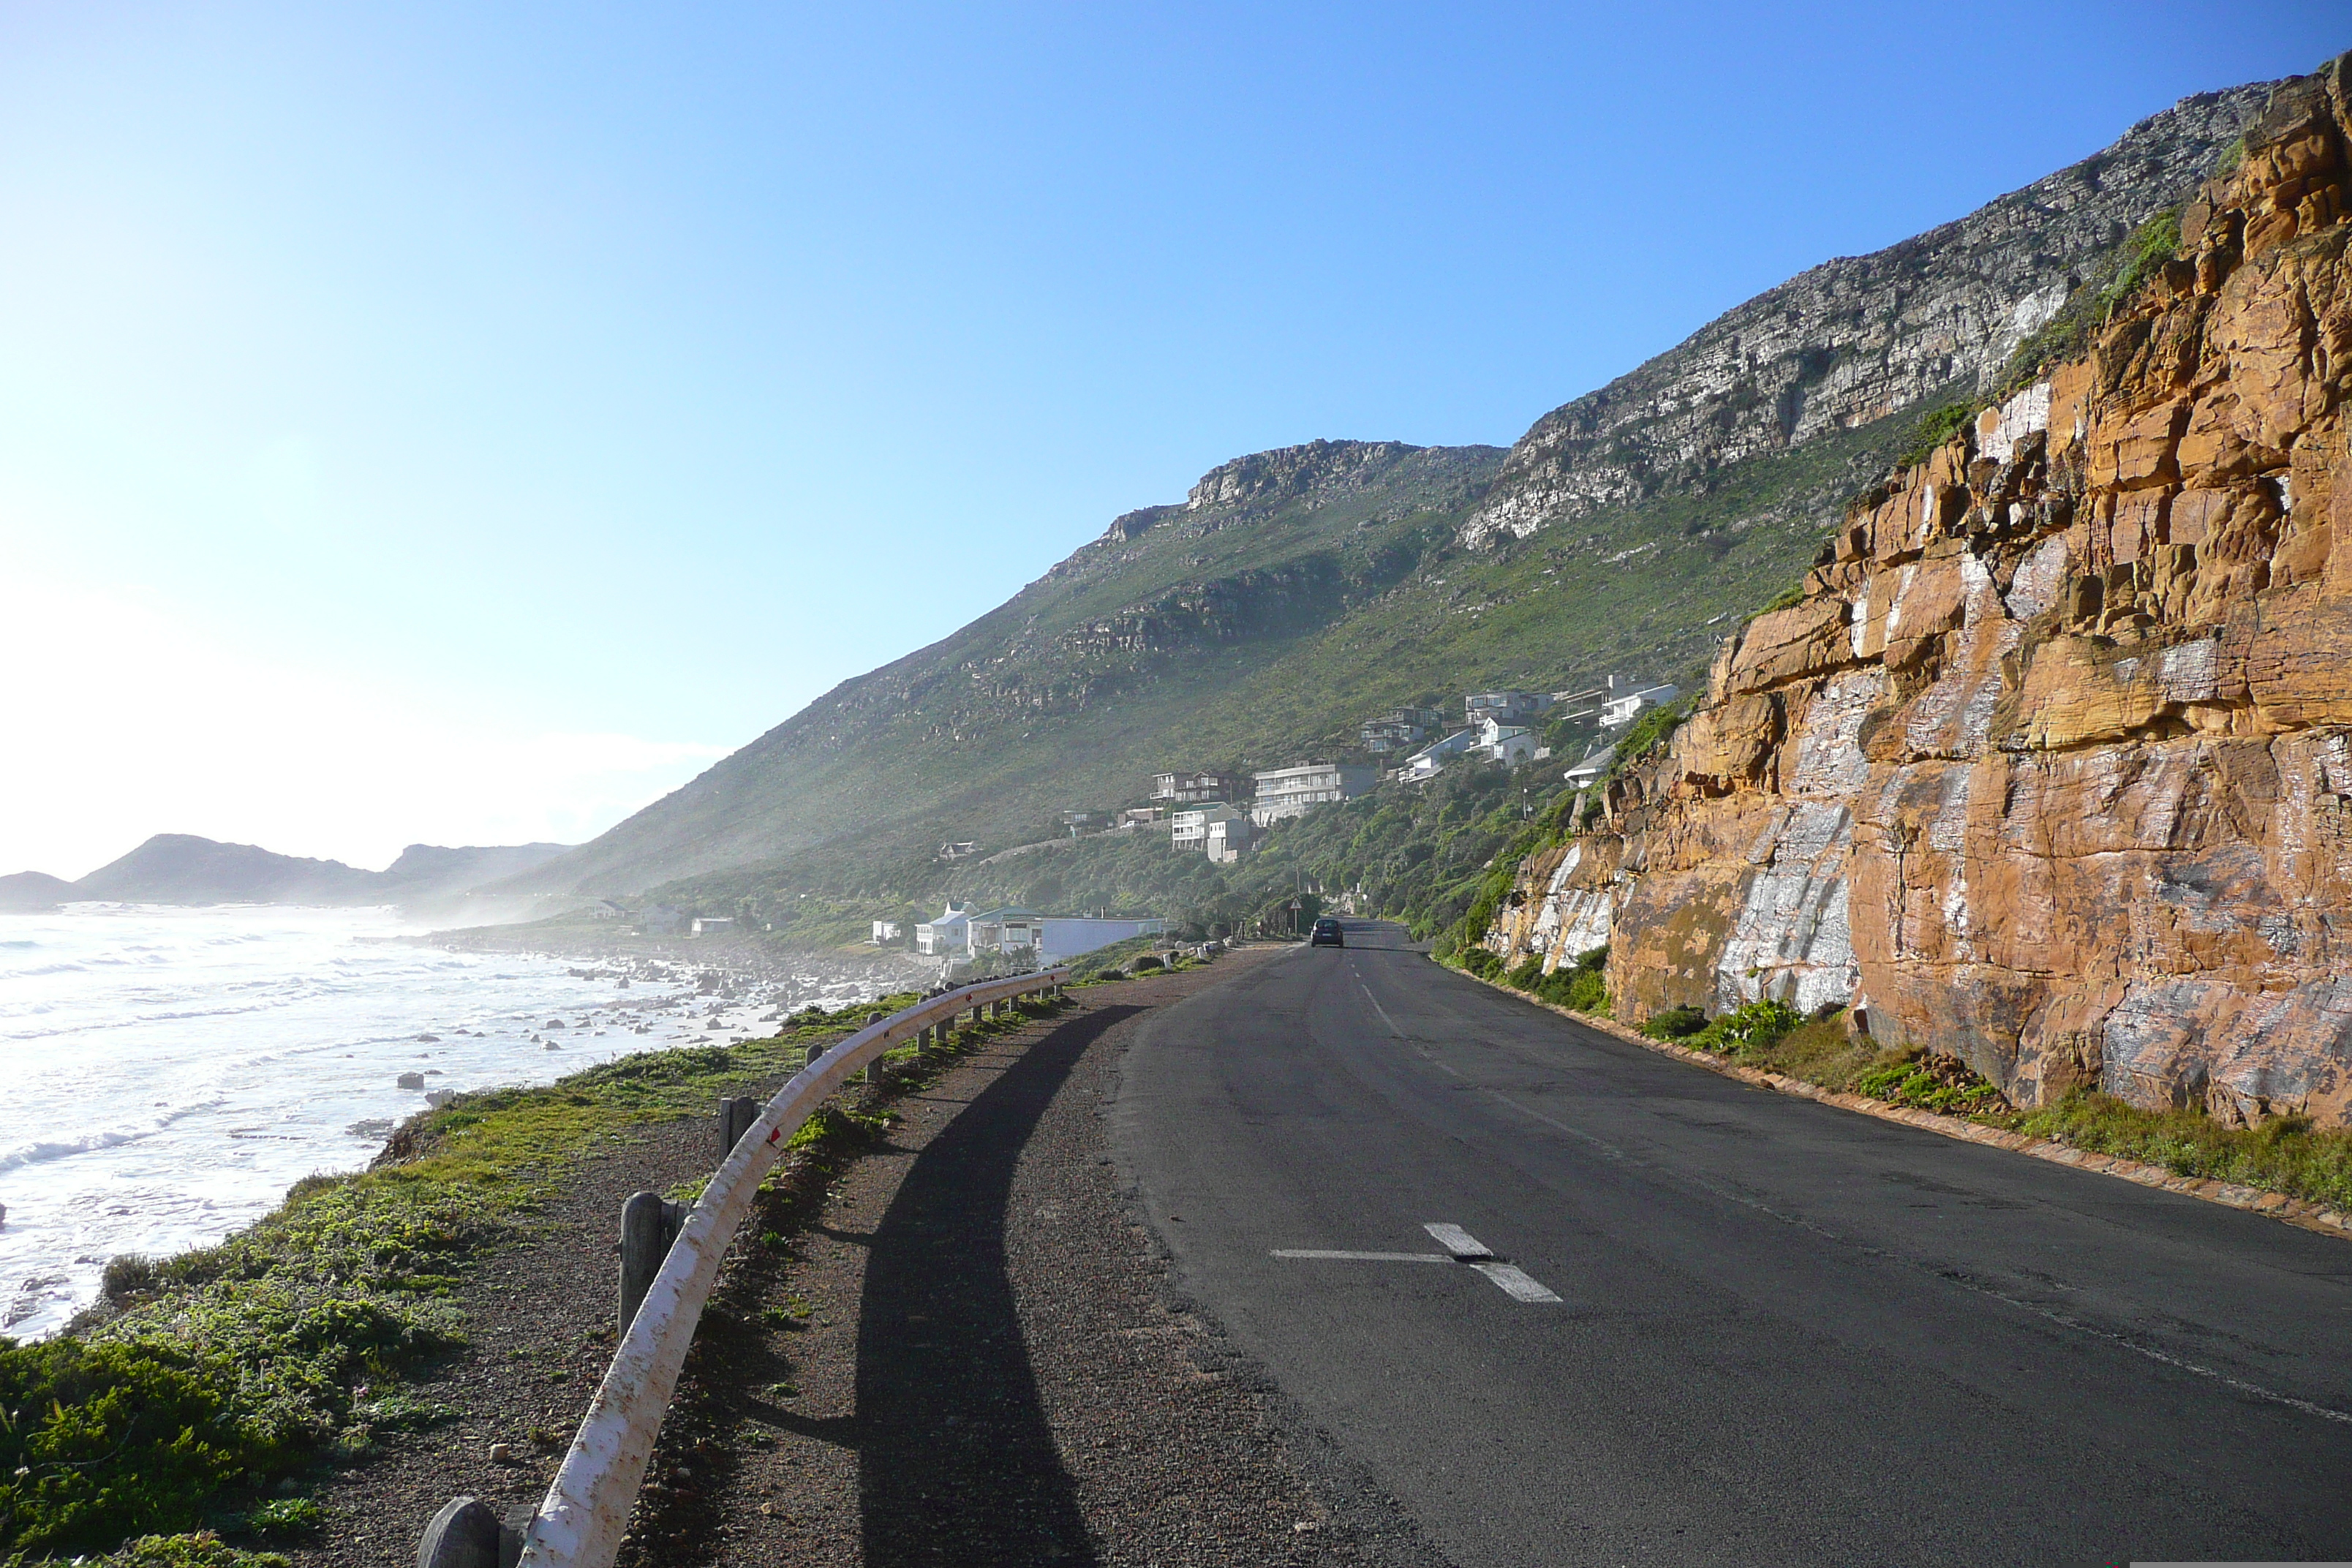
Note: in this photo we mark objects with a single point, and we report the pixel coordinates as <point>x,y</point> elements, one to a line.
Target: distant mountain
<point>1295,593</point>
<point>29,890</point>
<point>180,868</point>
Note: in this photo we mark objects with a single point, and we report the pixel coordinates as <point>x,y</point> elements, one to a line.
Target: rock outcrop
<point>2051,767</point>
<point>1856,339</point>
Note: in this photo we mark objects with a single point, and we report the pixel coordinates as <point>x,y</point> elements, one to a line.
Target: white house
<point>1585,773</point>
<point>1621,710</point>
<point>1295,791</point>
<point>1189,829</point>
<point>1067,936</point>
<point>1511,744</point>
<point>884,930</point>
<point>948,935</point>
<point>1424,763</point>
<point>1229,840</point>
<point>712,925</point>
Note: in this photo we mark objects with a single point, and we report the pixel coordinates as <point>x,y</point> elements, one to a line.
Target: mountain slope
<point>1856,339</point>
<point>1294,592</point>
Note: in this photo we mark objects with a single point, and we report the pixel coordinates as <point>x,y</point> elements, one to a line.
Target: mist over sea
<point>170,1072</point>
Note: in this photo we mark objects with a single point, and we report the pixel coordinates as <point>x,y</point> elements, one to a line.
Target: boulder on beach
<point>411,1081</point>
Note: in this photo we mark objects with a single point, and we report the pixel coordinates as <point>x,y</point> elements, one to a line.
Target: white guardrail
<point>586,1511</point>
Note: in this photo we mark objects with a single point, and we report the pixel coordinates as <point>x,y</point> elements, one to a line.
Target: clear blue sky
<point>421,421</point>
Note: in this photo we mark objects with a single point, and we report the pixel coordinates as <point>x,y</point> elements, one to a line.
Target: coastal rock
<point>2053,761</point>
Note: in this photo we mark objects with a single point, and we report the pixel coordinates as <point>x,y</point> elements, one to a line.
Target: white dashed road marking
<point>1515,1281</point>
<point>1458,1242</point>
<point>1461,1246</point>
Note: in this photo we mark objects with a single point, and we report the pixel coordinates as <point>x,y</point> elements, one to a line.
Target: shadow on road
<point>956,1463</point>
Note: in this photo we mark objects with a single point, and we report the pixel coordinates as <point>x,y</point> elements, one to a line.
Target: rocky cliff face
<point>2052,765</point>
<point>1856,339</point>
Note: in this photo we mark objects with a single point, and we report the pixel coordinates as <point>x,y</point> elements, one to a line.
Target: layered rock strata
<point>2052,765</point>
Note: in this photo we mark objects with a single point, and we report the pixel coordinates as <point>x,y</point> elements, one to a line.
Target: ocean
<point>172,1071</point>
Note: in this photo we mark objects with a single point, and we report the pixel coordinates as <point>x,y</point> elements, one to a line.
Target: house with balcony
<point>1399,730</point>
<point>1425,762</point>
<point>1504,707</point>
<point>1621,710</point>
<point>1284,793</point>
<point>1229,838</point>
<point>1189,829</point>
<point>1198,789</point>
<point>948,935</point>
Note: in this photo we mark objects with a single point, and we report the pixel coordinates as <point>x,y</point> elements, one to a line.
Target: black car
<point>1328,934</point>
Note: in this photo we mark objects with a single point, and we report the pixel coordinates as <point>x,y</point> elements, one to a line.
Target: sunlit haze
<point>461,424</point>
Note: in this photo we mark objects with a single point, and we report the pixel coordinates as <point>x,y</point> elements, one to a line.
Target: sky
<point>464,423</point>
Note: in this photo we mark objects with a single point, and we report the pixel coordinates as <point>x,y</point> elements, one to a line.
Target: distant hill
<point>1294,592</point>
<point>28,890</point>
<point>180,868</point>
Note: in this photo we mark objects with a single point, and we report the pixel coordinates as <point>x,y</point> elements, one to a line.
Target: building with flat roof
<point>1295,791</point>
<point>1189,829</point>
<point>1199,788</point>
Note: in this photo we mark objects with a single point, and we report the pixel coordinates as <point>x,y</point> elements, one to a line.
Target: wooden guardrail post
<point>735,1118</point>
<point>649,1224</point>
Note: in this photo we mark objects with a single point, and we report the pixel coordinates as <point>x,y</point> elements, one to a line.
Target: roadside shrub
<point>201,1550</point>
<point>1749,1031</point>
<point>1675,1023</point>
<point>286,1516</point>
<point>104,1441</point>
<point>127,1274</point>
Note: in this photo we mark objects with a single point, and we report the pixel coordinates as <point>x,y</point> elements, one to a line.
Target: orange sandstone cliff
<point>2052,767</point>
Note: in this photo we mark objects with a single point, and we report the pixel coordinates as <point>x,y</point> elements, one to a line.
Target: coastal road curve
<point>1778,1332</point>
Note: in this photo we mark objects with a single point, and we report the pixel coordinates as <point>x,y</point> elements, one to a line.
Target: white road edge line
<point>1516,1282</point>
<point>1458,1241</point>
<point>1329,1256</point>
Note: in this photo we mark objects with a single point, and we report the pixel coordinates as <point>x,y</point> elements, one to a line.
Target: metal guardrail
<point>586,1511</point>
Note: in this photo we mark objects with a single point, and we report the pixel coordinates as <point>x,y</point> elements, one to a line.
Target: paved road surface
<point>1785,1333</point>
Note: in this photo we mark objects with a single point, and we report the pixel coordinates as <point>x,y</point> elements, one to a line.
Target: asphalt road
<point>1784,1332</point>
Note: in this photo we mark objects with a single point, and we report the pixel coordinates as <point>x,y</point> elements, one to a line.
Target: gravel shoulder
<point>949,1339</point>
<point>980,1359</point>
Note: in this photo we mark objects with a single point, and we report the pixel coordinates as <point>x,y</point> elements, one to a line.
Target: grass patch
<point>2283,1154</point>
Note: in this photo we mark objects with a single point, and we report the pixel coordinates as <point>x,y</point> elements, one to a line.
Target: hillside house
<point>1621,710</point>
<point>712,925</point>
<point>1290,792</point>
<point>1504,707</point>
<point>961,849</point>
<point>1401,730</point>
<point>1586,773</point>
<point>945,936</point>
<point>884,930</point>
<point>1508,744</point>
<point>607,910</point>
<point>1229,840</point>
<point>1424,763</point>
<point>1139,816</point>
<point>1198,789</point>
<point>1189,829</point>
